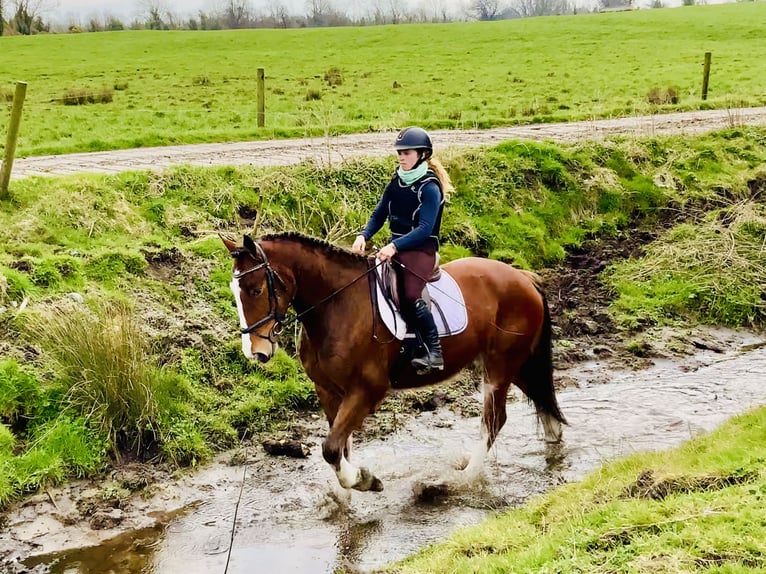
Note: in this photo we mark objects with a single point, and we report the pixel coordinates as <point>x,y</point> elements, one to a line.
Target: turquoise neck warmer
<point>411,176</point>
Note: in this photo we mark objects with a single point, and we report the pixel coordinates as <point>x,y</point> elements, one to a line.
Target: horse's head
<point>261,298</point>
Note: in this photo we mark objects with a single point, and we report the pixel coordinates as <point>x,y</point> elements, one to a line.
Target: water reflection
<point>130,552</point>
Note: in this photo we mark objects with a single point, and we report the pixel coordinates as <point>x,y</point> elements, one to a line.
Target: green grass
<point>459,75</point>
<point>53,451</point>
<point>697,508</point>
<point>681,273</point>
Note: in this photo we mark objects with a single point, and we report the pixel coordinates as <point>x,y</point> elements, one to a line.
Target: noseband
<point>274,313</point>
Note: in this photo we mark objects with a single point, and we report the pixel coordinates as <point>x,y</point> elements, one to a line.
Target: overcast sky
<point>84,9</point>
<point>80,11</point>
<point>65,12</point>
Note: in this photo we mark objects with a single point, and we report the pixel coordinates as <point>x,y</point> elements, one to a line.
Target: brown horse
<point>509,329</point>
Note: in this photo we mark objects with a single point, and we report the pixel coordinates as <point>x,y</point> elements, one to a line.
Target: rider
<point>413,202</point>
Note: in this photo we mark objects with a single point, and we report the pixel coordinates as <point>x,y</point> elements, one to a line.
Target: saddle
<point>389,282</point>
<point>442,295</point>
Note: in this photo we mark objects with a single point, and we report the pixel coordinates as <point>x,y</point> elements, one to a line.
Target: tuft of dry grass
<point>659,97</point>
<point>103,357</point>
<point>81,97</point>
<point>715,270</point>
<point>333,77</point>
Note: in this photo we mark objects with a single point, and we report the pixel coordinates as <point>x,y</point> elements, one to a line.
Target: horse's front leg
<point>336,448</point>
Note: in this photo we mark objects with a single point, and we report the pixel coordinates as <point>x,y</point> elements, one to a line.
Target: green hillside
<point>158,88</point>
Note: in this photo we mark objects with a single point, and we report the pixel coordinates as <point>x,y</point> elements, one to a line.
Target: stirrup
<point>426,364</point>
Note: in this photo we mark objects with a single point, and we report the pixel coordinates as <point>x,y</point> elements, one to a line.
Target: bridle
<point>274,313</point>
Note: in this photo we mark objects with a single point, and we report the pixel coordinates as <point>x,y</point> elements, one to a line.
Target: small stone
<point>76,297</point>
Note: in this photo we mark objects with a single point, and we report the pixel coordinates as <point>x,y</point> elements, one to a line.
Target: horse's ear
<point>230,245</point>
<point>250,244</point>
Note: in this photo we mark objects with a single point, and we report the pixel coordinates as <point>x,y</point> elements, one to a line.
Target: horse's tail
<point>537,370</point>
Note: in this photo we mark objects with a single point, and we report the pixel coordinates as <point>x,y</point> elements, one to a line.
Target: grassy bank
<point>119,334</point>
<point>698,508</point>
<point>128,89</point>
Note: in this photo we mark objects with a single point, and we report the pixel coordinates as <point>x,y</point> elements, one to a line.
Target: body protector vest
<point>405,203</point>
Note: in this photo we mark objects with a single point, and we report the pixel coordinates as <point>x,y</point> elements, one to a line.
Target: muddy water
<point>289,520</point>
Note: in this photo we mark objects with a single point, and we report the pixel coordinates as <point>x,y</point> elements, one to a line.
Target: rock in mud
<point>291,448</point>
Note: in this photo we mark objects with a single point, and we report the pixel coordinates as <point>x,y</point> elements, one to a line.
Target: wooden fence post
<point>706,75</point>
<point>261,98</point>
<point>13,136</point>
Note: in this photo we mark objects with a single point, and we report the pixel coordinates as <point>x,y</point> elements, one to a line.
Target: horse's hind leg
<point>497,379</point>
<point>550,418</point>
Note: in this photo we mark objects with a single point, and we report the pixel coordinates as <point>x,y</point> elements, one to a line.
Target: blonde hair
<point>444,179</point>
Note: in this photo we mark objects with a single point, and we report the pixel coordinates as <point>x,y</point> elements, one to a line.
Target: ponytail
<point>444,179</point>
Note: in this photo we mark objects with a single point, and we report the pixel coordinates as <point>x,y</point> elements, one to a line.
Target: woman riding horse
<point>508,330</point>
<point>413,202</point>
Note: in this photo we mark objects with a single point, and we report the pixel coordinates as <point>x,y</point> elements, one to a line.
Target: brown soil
<point>578,299</point>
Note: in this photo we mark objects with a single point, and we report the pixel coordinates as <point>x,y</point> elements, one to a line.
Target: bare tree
<point>2,20</point>
<point>237,13</point>
<point>387,11</point>
<point>27,15</point>
<point>209,21</point>
<point>607,4</point>
<point>485,9</point>
<point>278,13</point>
<point>439,9</point>
<point>529,8</point>
<point>151,6</point>
<point>397,10</point>
<point>377,13</point>
<point>157,15</point>
<point>317,11</point>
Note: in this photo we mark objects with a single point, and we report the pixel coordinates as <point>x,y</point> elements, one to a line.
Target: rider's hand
<point>387,252</point>
<point>359,245</point>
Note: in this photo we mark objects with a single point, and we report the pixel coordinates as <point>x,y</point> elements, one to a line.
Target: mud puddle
<point>289,518</point>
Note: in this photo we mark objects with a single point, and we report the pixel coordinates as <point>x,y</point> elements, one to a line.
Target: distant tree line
<point>22,16</point>
<point>26,16</point>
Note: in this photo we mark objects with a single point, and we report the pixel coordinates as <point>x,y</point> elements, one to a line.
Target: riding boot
<point>432,358</point>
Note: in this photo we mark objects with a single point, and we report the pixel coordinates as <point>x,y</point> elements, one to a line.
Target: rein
<point>334,293</point>
<point>274,313</point>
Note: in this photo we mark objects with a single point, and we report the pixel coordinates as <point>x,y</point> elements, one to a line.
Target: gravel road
<point>338,148</point>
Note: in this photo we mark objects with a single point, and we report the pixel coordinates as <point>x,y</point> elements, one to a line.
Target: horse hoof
<point>368,481</point>
<point>430,492</point>
<point>461,463</point>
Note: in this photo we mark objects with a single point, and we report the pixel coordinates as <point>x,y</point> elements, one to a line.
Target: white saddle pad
<point>447,307</point>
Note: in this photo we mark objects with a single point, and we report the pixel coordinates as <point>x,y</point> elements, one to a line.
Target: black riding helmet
<point>415,138</point>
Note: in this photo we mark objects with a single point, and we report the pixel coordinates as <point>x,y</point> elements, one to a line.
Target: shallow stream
<point>287,521</point>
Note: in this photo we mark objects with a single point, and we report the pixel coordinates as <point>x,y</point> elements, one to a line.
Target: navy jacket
<point>414,212</point>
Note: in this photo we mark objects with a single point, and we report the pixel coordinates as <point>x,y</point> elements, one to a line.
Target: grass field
<point>186,87</point>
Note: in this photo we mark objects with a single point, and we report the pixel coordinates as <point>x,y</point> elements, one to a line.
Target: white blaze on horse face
<point>247,347</point>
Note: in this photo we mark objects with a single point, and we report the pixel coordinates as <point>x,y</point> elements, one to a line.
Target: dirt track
<point>338,148</point>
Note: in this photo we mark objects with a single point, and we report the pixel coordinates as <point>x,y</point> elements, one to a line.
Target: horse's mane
<point>321,245</point>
